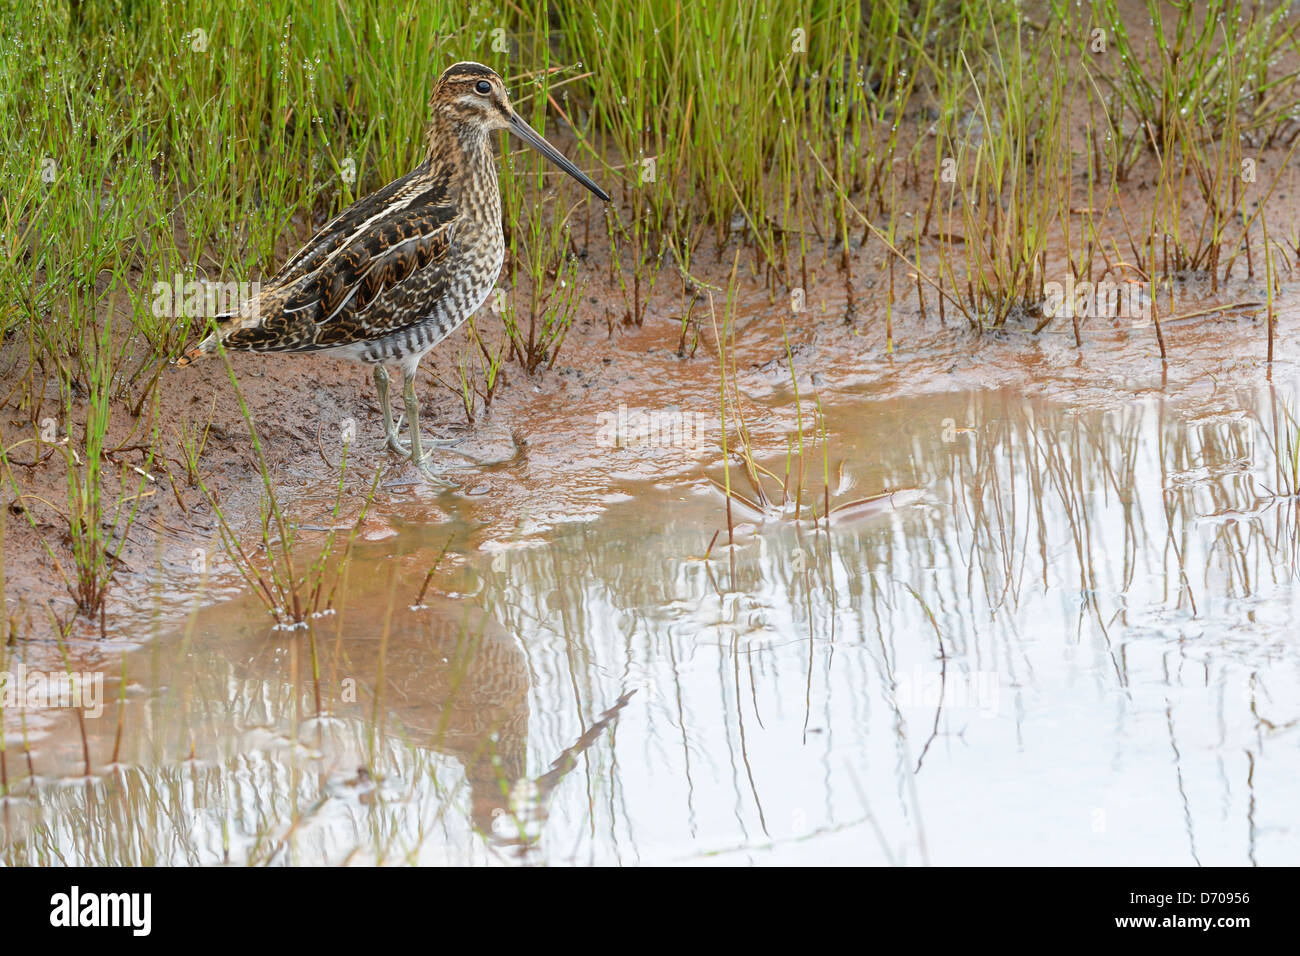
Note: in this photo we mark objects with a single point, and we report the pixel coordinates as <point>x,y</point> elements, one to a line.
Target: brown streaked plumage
<point>397,271</point>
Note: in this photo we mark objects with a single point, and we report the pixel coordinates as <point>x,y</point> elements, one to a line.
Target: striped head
<point>472,96</point>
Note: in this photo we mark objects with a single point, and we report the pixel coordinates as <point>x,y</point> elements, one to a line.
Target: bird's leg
<point>391,437</point>
<point>412,414</point>
<point>390,430</point>
<point>414,450</point>
<point>418,458</point>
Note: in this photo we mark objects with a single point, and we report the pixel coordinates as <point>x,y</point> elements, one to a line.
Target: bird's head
<point>473,95</point>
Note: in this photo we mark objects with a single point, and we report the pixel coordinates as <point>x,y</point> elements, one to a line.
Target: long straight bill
<point>533,139</point>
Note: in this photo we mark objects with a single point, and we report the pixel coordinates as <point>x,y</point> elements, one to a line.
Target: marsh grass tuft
<point>273,572</point>
<point>967,151</point>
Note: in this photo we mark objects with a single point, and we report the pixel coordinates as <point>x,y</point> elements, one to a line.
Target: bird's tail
<point>222,325</point>
<point>221,328</point>
<point>202,350</point>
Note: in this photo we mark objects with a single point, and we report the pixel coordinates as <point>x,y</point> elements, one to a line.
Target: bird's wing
<point>414,189</point>
<point>374,283</point>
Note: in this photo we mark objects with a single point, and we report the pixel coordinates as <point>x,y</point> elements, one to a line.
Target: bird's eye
<point>483,87</point>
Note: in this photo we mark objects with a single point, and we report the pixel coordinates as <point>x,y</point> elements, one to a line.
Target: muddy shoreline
<point>1096,541</point>
<point>554,426</point>
<point>563,426</point>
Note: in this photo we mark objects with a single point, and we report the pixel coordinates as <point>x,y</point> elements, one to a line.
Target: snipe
<point>397,271</point>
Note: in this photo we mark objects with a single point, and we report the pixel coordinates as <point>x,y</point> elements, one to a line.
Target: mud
<point>1088,528</point>
<point>561,427</point>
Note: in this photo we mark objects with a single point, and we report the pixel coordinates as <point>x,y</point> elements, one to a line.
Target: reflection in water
<point>1076,647</point>
<point>458,685</point>
<point>441,680</point>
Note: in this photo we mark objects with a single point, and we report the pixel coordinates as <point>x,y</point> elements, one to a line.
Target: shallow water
<point>1070,641</point>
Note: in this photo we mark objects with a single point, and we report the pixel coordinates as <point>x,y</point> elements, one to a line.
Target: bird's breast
<point>481,257</point>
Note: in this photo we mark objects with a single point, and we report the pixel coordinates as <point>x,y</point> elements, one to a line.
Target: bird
<point>399,270</point>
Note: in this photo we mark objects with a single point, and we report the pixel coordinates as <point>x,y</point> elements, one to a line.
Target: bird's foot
<point>396,443</point>
<point>403,448</point>
<point>491,462</point>
<point>422,472</point>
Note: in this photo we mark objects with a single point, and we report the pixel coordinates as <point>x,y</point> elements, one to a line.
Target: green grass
<point>809,142</point>
<point>273,569</point>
